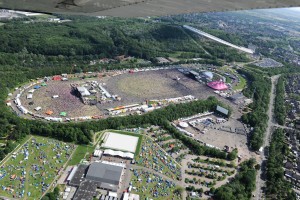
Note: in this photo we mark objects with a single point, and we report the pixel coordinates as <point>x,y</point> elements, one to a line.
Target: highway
<point>246,50</point>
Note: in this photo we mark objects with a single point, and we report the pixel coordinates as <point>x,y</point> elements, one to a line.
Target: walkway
<point>260,183</point>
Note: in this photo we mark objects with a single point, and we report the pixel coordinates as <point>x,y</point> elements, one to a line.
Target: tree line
<point>242,185</point>
<point>279,106</point>
<point>277,187</point>
<point>259,88</point>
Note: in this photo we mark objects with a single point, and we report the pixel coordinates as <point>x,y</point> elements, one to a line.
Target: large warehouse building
<point>105,173</point>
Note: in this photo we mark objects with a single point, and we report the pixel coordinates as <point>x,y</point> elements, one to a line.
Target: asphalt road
<point>260,183</point>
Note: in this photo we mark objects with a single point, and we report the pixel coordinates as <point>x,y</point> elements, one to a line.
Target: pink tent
<point>217,85</point>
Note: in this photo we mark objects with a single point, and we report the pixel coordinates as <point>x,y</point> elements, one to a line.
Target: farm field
<point>31,169</point>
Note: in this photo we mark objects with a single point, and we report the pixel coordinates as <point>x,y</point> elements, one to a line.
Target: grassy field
<point>148,185</point>
<point>30,170</point>
<point>151,156</point>
<point>1,24</point>
<point>242,84</point>
<point>81,152</point>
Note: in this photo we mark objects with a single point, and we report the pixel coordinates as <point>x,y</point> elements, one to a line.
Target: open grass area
<point>149,185</point>
<point>239,86</point>
<point>152,157</point>
<point>242,84</point>
<point>97,137</point>
<point>30,170</point>
<point>1,24</point>
<point>81,152</point>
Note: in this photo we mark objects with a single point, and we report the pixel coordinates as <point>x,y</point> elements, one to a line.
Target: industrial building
<point>107,173</point>
<point>87,178</point>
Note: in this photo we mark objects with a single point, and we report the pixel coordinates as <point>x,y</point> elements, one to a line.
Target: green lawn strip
<point>242,84</point>
<point>97,137</point>
<point>81,152</point>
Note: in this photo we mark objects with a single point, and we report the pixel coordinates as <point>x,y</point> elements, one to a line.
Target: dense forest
<point>241,187</point>
<point>277,187</point>
<point>91,38</point>
<point>259,88</point>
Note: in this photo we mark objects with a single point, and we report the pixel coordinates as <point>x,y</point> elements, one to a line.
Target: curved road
<point>156,173</point>
<point>260,183</point>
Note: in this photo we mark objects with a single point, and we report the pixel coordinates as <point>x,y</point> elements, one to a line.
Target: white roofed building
<point>98,153</point>
<point>83,91</point>
<point>130,196</point>
<point>118,153</point>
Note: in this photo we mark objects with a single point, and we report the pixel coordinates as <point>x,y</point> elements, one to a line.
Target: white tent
<point>29,96</point>
<point>118,153</point>
<point>38,108</point>
<point>97,153</point>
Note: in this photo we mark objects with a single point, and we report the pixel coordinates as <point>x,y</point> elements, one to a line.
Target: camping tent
<point>38,108</point>
<point>56,78</point>
<point>49,112</point>
<point>63,114</point>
